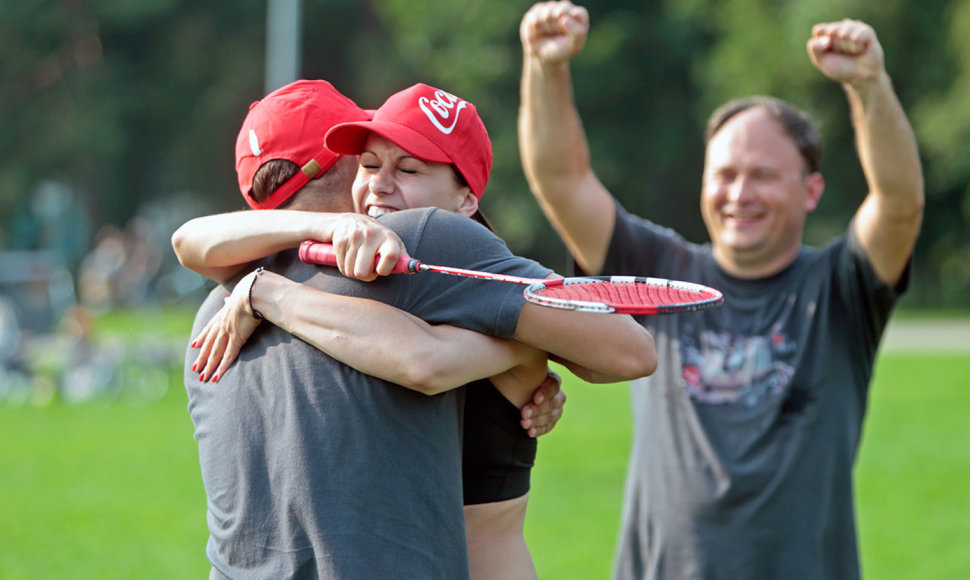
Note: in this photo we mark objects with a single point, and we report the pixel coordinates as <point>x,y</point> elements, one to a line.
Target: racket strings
<point>625,293</point>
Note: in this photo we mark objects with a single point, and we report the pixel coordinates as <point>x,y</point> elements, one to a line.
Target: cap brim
<point>350,138</point>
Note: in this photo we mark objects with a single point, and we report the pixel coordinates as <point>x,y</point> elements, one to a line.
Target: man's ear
<point>814,186</point>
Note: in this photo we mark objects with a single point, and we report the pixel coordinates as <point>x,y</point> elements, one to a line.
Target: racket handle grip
<point>313,252</point>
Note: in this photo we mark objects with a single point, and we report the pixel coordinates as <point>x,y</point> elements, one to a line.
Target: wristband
<point>256,314</point>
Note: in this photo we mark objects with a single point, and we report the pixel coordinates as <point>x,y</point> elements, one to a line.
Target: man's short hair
<point>797,123</point>
<point>328,192</point>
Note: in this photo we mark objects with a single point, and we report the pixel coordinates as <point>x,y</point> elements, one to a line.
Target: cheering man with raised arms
<point>746,436</point>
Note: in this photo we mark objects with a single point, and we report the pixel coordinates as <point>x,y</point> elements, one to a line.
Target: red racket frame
<point>600,294</point>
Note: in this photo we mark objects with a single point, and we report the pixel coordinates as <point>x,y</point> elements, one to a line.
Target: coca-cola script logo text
<point>440,110</point>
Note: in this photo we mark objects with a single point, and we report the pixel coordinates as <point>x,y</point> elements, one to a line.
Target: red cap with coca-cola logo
<point>429,123</point>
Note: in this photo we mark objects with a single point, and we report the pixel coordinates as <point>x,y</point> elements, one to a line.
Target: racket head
<point>624,295</point>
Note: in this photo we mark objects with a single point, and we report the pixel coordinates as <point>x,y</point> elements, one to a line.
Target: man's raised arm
<point>889,219</point>
<point>555,154</point>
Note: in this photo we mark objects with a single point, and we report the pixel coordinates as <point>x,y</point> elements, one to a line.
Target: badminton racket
<point>602,294</point>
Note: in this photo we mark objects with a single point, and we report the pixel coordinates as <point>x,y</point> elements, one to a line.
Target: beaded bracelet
<point>256,313</point>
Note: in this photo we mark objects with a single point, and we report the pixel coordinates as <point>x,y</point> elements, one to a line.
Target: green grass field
<point>912,476</point>
<point>112,490</point>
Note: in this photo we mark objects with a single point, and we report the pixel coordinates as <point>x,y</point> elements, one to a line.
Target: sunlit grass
<point>912,475</point>
<point>112,489</point>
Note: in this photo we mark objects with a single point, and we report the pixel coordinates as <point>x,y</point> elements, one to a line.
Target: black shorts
<point>498,454</point>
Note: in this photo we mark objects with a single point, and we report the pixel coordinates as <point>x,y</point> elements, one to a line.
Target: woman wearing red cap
<point>426,148</point>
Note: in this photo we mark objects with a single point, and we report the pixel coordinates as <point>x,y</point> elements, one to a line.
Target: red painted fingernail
<point>215,378</point>
<point>195,344</point>
<point>202,377</point>
<point>195,367</point>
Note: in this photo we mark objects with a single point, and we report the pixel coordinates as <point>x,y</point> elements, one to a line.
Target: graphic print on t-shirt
<point>721,367</point>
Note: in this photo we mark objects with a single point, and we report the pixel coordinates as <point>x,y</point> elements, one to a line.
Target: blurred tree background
<point>119,113</point>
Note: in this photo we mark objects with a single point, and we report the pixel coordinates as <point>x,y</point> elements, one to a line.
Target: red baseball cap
<point>430,124</point>
<point>290,123</point>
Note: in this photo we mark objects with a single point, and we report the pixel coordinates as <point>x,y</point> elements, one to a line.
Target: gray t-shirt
<point>315,470</point>
<point>746,435</point>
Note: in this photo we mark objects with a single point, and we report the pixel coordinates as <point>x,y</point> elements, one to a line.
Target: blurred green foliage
<point>139,101</point>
